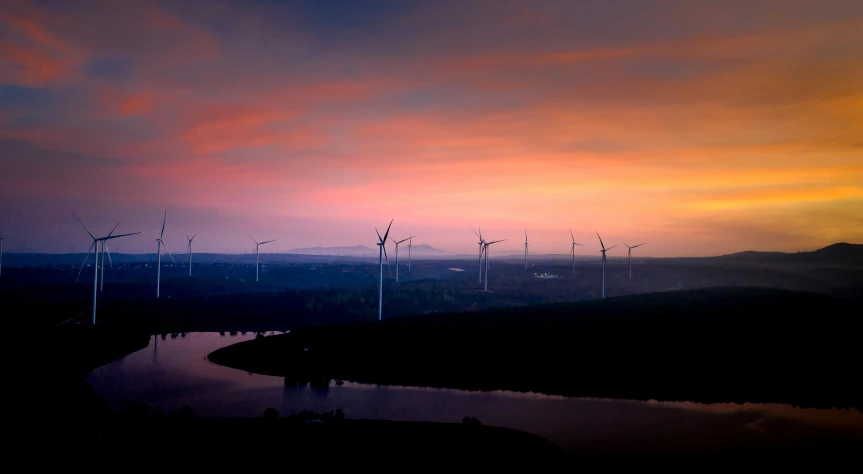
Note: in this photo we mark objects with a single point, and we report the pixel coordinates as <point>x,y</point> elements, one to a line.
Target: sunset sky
<point>699,127</point>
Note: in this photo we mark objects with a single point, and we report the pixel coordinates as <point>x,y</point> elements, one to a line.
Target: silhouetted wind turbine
<point>485,249</point>
<point>397,256</point>
<point>603,262</point>
<point>382,252</point>
<point>190,252</point>
<point>629,254</point>
<point>410,244</point>
<point>257,252</point>
<point>95,247</point>
<point>159,244</point>
<point>525,249</point>
<point>481,249</point>
<point>572,251</point>
<point>104,251</point>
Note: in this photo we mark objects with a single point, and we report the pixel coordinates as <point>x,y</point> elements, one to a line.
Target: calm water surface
<point>174,372</point>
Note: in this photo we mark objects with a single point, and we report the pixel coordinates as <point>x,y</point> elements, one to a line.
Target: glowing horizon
<point>702,129</point>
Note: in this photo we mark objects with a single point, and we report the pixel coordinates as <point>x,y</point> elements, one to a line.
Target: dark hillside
<point>712,345</point>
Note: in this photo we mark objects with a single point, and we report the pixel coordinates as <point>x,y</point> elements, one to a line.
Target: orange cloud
<point>36,33</point>
<point>218,127</point>
<point>136,104</point>
<point>34,57</point>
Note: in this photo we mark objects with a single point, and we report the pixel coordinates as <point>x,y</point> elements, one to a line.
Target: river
<point>174,371</point>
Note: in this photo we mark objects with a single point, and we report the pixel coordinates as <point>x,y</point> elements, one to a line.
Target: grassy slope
<point>713,345</point>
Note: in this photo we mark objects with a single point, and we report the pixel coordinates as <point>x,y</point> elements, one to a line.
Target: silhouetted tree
<point>135,411</point>
<point>271,413</point>
<point>157,414</point>
<point>469,420</point>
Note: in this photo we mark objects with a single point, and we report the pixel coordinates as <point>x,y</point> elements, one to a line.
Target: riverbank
<point>713,345</point>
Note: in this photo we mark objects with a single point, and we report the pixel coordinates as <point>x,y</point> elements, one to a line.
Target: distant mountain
<point>836,251</point>
<point>841,250</point>
<point>355,251</point>
<point>363,251</point>
<point>426,249</point>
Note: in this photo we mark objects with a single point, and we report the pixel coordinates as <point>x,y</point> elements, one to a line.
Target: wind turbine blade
<point>600,241</point>
<point>388,230</point>
<point>193,237</point>
<point>384,246</point>
<point>115,228</point>
<point>164,219</point>
<point>187,236</point>
<point>639,245</point>
<point>474,231</point>
<point>109,254</point>
<point>496,241</point>
<point>166,251</point>
<point>624,243</point>
<point>85,227</point>
<point>379,235</point>
<point>85,261</point>
<point>118,236</point>
<point>400,241</point>
<point>268,241</point>
<point>609,248</point>
<point>253,239</point>
<point>570,234</point>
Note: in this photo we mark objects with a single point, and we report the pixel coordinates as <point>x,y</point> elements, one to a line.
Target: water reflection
<point>174,372</point>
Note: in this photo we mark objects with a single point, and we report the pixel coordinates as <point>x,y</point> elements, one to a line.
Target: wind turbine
<point>573,250</point>
<point>159,244</point>
<point>257,252</point>
<point>525,249</point>
<point>95,247</point>
<point>481,248</point>
<point>190,252</point>
<point>104,251</point>
<point>410,244</point>
<point>603,262</point>
<point>397,255</point>
<point>485,249</point>
<point>382,252</point>
<point>629,254</point>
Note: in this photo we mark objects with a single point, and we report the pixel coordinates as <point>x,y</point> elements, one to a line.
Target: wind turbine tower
<point>481,244</point>
<point>397,255</point>
<point>572,251</point>
<point>257,252</point>
<point>95,247</point>
<point>525,249</point>
<point>629,254</point>
<point>603,262</point>
<point>382,252</point>
<point>485,249</point>
<point>159,244</point>
<point>190,252</point>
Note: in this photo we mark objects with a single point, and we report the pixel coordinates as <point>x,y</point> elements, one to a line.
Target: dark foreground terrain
<point>712,345</point>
